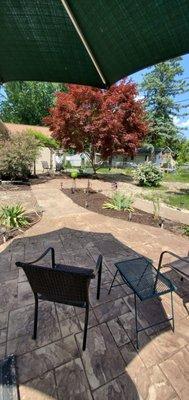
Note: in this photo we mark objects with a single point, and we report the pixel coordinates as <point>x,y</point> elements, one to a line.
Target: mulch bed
<point>14,186</point>
<point>95,200</point>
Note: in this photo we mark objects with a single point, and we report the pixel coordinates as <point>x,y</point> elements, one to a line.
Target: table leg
<point>112,282</point>
<point>136,322</point>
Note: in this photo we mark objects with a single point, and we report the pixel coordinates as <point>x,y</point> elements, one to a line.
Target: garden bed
<point>7,234</point>
<point>95,200</point>
<point>14,186</point>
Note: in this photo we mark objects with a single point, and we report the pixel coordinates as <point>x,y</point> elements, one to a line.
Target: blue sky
<point>182,122</point>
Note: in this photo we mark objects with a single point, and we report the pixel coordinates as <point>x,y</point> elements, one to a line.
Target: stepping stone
<point>8,386</point>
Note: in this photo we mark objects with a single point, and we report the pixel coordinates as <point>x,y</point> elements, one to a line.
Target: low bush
<point>13,216</point>
<point>67,164</point>
<point>18,155</point>
<point>148,174</point>
<point>120,202</point>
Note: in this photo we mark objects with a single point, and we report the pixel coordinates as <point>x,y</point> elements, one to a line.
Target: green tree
<point>45,141</point>
<point>28,102</point>
<point>160,86</point>
<point>183,155</point>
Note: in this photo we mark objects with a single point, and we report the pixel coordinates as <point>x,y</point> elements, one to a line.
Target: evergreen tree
<point>28,102</point>
<point>160,86</point>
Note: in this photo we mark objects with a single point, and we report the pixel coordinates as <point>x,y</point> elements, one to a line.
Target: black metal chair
<point>61,284</point>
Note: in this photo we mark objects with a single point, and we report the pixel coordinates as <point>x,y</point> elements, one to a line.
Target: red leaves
<point>109,122</point>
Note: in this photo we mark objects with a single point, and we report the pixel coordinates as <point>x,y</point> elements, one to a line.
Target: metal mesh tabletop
<point>143,278</point>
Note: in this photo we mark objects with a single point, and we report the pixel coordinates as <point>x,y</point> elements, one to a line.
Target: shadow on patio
<point>53,366</point>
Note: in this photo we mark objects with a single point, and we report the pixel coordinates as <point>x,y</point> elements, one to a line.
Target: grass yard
<point>180,200</point>
<point>179,176</point>
<point>114,171</point>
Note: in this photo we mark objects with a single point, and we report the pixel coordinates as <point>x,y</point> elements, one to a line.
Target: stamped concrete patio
<point>54,367</point>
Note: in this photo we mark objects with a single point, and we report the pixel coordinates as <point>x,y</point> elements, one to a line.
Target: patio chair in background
<point>45,166</point>
<point>61,284</point>
<point>181,265</point>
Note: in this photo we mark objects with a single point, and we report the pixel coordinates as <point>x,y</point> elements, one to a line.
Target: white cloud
<point>181,124</point>
<point>185,124</point>
<point>139,97</point>
<point>176,121</point>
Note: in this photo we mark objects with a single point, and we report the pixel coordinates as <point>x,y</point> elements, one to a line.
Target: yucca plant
<point>186,230</point>
<point>156,205</point>
<point>120,202</point>
<point>13,216</point>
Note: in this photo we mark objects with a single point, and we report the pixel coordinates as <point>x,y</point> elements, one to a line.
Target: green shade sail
<point>39,41</point>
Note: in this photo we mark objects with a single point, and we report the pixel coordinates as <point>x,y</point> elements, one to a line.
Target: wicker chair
<point>61,284</point>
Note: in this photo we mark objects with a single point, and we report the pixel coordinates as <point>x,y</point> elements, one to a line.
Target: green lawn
<point>179,176</point>
<point>180,200</point>
<point>125,171</point>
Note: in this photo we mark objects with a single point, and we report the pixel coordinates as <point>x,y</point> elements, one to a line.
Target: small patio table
<point>146,282</point>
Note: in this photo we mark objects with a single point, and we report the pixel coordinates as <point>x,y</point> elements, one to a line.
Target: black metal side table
<point>146,282</point>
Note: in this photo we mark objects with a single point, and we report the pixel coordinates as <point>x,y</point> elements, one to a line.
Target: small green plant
<point>148,174</point>
<point>156,205</point>
<point>186,230</point>
<point>74,174</point>
<point>120,202</point>
<point>13,216</point>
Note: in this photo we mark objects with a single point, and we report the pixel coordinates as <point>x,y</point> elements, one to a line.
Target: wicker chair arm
<point>51,249</point>
<point>98,265</point>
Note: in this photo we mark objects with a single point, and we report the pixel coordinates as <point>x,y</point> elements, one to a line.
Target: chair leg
<point>172,309</point>
<point>99,282</point>
<point>35,318</point>
<point>85,327</point>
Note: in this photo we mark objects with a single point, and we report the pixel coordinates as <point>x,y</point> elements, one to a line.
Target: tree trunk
<point>51,159</point>
<point>34,168</point>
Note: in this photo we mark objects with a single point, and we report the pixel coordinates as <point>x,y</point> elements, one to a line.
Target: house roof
<point>147,151</point>
<point>15,128</point>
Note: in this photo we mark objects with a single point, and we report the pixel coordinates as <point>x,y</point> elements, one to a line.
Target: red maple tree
<point>92,120</point>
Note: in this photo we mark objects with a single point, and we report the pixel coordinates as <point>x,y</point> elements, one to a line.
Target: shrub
<point>67,164</point>
<point>4,133</point>
<point>120,202</point>
<point>12,216</point>
<point>18,155</point>
<point>148,174</point>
